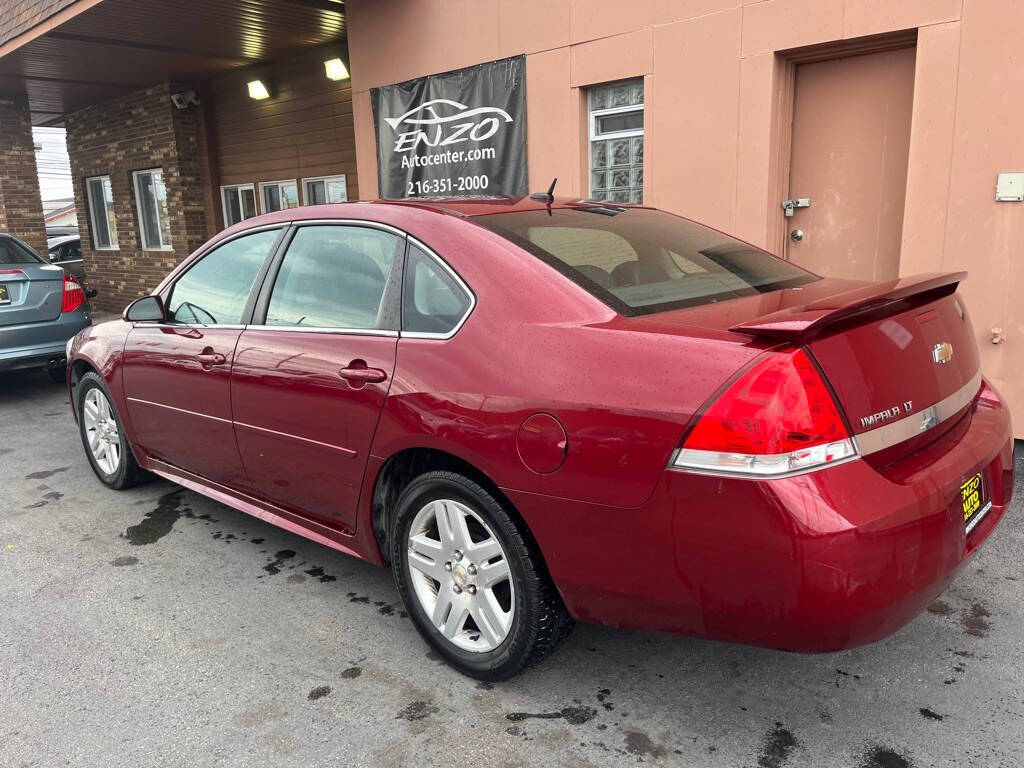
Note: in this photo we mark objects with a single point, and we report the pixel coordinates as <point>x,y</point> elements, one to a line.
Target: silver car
<point>66,252</point>
<point>41,308</point>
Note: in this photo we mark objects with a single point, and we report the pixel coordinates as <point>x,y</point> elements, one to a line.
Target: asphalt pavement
<point>154,627</point>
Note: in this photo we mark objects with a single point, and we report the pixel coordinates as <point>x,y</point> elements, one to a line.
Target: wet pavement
<point>154,627</point>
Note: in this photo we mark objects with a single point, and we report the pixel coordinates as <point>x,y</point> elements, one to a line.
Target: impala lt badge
<point>942,353</point>
<point>888,414</point>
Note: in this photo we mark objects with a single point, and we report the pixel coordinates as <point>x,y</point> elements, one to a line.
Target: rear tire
<point>103,436</point>
<point>472,580</point>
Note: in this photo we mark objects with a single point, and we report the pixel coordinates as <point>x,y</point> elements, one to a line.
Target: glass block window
<point>617,142</point>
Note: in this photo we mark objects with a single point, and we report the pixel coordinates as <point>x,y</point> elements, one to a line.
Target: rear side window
<point>13,252</point>
<point>432,300</point>
<point>640,261</point>
<point>215,289</point>
<point>334,277</point>
<point>70,251</point>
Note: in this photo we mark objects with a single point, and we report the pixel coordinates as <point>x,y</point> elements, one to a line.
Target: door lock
<point>796,235</point>
<point>797,202</point>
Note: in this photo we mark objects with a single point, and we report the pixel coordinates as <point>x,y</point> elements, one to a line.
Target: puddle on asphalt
<point>158,523</point>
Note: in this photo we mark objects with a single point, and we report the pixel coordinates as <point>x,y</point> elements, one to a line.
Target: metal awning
<point>94,50</point>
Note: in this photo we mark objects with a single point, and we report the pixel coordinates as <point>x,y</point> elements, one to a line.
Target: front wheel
<point>473,583</point>
<point>103,436</point>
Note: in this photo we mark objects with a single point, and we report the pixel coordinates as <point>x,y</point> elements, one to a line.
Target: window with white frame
<point>101,213</point>
<point>617,142</point>
<point>318,190</point>
<point>151,201</point>
<point>238,202</point>
<point>278,195</point>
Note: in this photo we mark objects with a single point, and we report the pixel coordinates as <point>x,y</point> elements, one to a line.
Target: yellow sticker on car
<point>970,496</point>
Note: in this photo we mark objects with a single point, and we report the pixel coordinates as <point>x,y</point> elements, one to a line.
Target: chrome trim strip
<point>896,432</point>
<point>977,518</point>
<point>184,326</point>
<point>179,410</point>
<point>346,452</point>
<point>350,223</point>
<point>459,281</point>
<point>316,329</point>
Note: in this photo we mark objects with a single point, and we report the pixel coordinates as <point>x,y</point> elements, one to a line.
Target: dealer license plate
<point>5,297</point>
<point>974,500</point>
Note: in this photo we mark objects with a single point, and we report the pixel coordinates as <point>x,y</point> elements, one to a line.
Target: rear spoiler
<point>805,321</point>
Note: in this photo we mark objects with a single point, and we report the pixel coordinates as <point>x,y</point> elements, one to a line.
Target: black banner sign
<point>460,133</point>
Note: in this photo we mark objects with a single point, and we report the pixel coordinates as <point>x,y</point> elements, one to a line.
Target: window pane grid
<point>617,142</point>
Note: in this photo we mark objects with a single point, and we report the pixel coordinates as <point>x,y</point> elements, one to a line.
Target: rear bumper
<point>40,345</point>
<point>817,562</point>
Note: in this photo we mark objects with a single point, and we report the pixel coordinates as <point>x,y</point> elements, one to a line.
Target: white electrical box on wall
<point>1010,188</point>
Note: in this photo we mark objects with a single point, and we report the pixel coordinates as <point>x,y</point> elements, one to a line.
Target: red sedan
<point>539,411</point>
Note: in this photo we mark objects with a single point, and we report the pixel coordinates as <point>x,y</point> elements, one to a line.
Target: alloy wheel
<point>101,431</point>
<point>460,575</point>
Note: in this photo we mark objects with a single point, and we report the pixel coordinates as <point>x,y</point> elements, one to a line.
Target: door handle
<point>211,358</point>
<point>357,373</point>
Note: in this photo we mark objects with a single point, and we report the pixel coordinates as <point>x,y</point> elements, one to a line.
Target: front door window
<point>216,289</point>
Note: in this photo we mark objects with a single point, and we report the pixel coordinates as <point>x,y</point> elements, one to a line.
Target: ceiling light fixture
<point>258,90</point>
<point>336,69</point>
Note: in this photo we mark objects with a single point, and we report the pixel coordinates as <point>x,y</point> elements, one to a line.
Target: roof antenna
<point>546,197</point>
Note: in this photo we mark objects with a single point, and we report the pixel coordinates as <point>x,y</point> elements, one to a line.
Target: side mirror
<point>148,309</point>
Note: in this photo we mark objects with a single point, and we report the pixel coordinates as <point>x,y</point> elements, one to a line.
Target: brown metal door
<point>851,139</point>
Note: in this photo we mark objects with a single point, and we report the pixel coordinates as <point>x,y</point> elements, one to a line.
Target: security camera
<point>184,99</point>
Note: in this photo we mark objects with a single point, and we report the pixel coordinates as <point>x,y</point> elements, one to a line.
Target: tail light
<point>988,397</point>
<point>73,297</point>
<point>778,418</point>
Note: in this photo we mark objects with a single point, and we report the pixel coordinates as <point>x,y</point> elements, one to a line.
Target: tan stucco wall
<point>712,84</point>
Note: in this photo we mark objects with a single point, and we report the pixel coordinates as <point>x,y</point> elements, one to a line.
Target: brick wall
<point>21,211</point>
<point>114,139</point>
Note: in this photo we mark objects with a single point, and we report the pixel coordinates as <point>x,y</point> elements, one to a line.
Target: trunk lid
<point>33,293</point>
<point>889,350</point>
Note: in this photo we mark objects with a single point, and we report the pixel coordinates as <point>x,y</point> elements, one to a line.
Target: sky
<point>52,163</point>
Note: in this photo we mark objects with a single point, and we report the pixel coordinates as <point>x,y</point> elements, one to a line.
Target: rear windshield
<point>639,261</point>
<point>13,252</point>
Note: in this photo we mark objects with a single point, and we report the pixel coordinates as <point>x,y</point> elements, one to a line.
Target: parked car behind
<point>541,411</point>
<point>41,308</point>
<point>66,252</point>
<point>61,230</point>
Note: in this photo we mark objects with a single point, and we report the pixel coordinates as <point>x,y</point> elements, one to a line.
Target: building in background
<point>60,214</point>
<point>856,138</point>
<point>167,138</point>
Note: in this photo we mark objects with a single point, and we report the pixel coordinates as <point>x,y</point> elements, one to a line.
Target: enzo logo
<point>428,124</point>
<point>887,415</point>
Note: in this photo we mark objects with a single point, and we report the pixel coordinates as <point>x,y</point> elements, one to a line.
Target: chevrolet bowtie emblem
<point>942,352</point>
